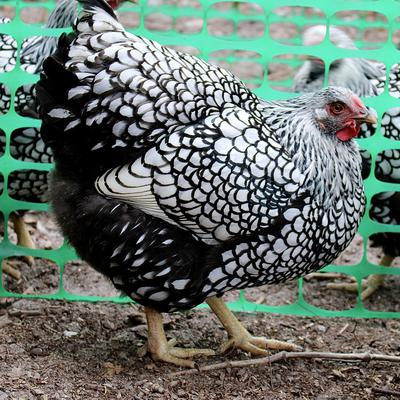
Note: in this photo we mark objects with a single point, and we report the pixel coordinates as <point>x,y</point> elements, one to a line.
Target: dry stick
<point>386,391</point>
<point>283,355</point>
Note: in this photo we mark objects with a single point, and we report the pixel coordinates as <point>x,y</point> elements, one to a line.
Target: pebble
<point>37,351</point>
<point>158,388</point>
<point>108,325</point>
<point>69,333</point>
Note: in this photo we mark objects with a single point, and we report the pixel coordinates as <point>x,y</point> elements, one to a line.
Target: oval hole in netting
<point>316,293</point>
<point>1,184</point>
<point>289,25</point>
<point>81,279</point>
<point>7,14</point>
<point>236,20</point>
<point>189,25</point>
<point>366,163</point>
<point>8,52</point>
<point>41,227</point>
<point>283,69</point>
<point>387,166</point>
<point>386,297</point>
<point>246,65</point>
<point>346,72</point>
<point>394,81</point>
<point>129,19</point>
<point>382,242</point>
<point>385,208</point>
<point>396,33</point>
<point>2,221</point>
<point>2,142</point>
<point>42,277</point>
<point>34,15</point>
<point>5,99</point>
<point>175,3</point>
<point>26,144</point>
<point>28,185</point>
<point>366,29</point>
<point>390,126</point>
<point>25,103</point>
<point>280,294</point>
<point>158,22</point>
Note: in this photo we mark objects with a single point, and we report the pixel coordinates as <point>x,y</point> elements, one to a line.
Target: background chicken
<point>178,183</point>
<point>366,78</point>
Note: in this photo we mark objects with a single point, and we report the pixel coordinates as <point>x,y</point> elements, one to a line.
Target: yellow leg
<point>11,271</point>
<point>163,350</point>
<point>369,285</point>
<point>239,337</point>
<point>23,236</point>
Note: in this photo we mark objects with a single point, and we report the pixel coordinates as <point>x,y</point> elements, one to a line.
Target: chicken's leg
<point>239,337</point>
<point>11,271</point>
<point>23,236</point>
<point>369,285</point>
<point>23,239</point>
<point>163,350</point>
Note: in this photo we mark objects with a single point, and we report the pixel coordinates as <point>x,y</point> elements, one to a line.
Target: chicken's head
<point>340,112</point>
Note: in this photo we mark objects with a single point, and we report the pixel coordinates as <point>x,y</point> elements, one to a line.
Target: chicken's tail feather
<point>102,4</point>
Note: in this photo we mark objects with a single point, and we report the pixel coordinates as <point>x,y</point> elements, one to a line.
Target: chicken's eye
<point>337,107</point>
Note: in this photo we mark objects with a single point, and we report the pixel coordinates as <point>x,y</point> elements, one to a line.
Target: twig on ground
<point>385,391</point>
<point>24,313</point>
<point>343,329</point>
<point>283,355</point>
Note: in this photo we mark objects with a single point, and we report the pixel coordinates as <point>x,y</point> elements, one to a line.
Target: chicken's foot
<point>163,350</point>
<point>369,285</point>
<point>239,337</point>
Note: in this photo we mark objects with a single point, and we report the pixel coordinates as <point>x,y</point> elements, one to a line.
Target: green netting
<point>230,46</point>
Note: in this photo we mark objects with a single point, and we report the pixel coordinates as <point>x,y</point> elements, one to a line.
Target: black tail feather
<point>89,4</point>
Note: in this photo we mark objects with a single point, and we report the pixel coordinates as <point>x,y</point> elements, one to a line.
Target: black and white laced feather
<point>176,181</point>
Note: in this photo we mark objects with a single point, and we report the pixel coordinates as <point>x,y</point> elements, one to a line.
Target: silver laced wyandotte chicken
<point>365,78</point>
<point>25,143</point>
<point>179,184</point>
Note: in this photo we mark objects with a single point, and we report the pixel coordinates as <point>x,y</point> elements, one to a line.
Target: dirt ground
<point>88,351</point>
<point>60,350</point>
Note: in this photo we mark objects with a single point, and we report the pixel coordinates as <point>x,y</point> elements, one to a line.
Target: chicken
<point>179,184</point>
<point>365,78</point>
<point>25,143</point>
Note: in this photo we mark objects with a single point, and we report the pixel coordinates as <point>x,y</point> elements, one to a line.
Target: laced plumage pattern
<point>176,180</point>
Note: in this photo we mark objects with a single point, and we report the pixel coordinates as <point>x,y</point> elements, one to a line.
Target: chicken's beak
<point>366,116</point>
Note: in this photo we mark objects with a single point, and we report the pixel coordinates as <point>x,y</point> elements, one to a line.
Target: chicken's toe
<point>257,345</point>
<point>369,286</point>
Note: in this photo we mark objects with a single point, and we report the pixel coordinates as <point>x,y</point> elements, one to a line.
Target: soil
<point>75,350</point>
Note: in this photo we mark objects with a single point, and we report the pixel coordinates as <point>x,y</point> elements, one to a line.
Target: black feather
<point>90,4</point>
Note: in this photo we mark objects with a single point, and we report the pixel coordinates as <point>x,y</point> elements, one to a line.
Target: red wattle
<point>347,133</point>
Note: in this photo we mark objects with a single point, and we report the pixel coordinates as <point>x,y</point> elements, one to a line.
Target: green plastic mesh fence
<point>261,42</point>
